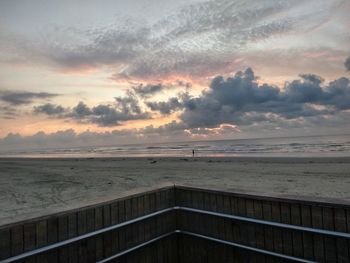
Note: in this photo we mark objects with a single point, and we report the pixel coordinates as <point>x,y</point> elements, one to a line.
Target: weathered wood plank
<point>242,211</point>
<point>114,221</point>
<point>234,224</point>
<point>29,230</point>
<point>213,207</point>
<point>63,253</point>
<point>219,222</point>
<point>228,226</point>
<point>128,230</point>
<point>5,243</point>
<point>297,237</point>
<point>277,233</point>
<point>82,229</point>
<point>341,243</point>
<point>287,238</point>
<point>348,226</point>
<point>122,218</point>
<point>267,214</point>
<point>220,225</point>
<point>206,220</point>
<point>41,239</point>
<point>159,223</point>
<point>141,225</point>
<point>99,239</point>
<point>251,228</point>
<point>91,242</point>
<point>317,222</point>
<point>306,220</point>
<point>153,222</point>
<point>147,224</point>
<point>52,237</point>
<point>259,230</point>
<point>107,237</point>
<point>329,242</point>
<point>134,214</point>
<point>16,240</point>
<point>72,232</point>
<point>228,223</point>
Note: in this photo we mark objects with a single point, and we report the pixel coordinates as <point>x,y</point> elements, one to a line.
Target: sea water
<point>310,146</point>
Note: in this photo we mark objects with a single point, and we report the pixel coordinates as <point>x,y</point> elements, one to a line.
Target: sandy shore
<point>32,187</point>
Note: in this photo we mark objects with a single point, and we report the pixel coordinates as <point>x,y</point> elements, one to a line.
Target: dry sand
<point>33,187</point>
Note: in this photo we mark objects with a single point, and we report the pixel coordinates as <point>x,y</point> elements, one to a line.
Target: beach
<point>35,187</point>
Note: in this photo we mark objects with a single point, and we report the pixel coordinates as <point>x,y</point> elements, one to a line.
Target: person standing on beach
<point>193,153</point>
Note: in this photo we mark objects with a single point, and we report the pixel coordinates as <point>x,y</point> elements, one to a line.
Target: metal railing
<point>269,223</point>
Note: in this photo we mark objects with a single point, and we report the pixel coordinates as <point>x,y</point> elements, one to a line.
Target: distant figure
<point>192,153</point>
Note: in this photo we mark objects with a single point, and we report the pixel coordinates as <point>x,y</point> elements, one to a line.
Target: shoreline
<point>189,157</point>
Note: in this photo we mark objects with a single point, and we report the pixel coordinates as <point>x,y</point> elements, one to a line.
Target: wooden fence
<point>185,224</point>
<point>299,243</point>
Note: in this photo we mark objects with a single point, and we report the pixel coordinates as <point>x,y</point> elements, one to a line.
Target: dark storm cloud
<point>23,97</point>
<point>241,100</point>
<point>347,64</point>
<point>237,104</point>
<point>81,110</point>
<point>109,114</point>
<point>171,105</point>
<point>165,107</point>
<point>124,109</point>
<point>146,91</point>
<point>49,109</point>
<point>129,104</point>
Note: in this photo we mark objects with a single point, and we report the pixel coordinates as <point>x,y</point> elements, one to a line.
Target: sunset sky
<point>76,73</point>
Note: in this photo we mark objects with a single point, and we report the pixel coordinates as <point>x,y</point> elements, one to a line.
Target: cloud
<point>347,64</point>
<point>221,130</point>
<point>105,46</point>
<point>236,104</point>
<point>240,100</point>
<point>230,106</point>
<point>23,97</point>
<point>165,107</point>
<point>69,138</point>
<point>105,115</point>
<point>173,131</point>
<point>129,104</point>
<point>213,34</point>
<point>194,40</point>
<point>171,105</point>
<point>81,110</point>
<point>8,113</point>
<point>145,91</point>
<point>49,109</point>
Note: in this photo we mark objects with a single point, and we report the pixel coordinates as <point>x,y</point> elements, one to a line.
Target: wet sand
<point>33,187</point>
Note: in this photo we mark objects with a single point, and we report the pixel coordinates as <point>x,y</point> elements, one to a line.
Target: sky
<point>80,73</point>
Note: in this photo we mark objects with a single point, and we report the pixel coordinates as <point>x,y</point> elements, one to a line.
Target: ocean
<point>310,146</point>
